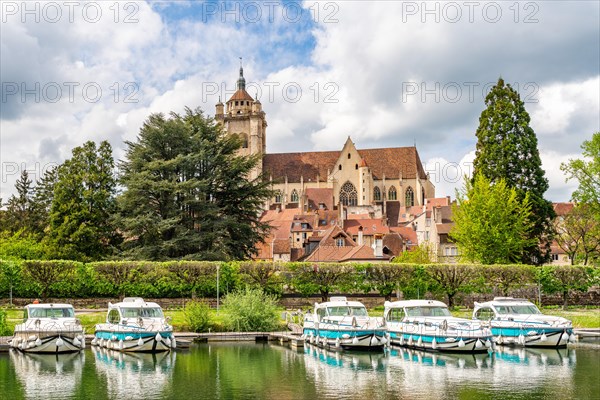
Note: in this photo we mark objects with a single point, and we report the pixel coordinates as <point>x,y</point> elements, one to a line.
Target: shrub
<point>197,316</point>
<point>4,328</point>
<point>251,310</point>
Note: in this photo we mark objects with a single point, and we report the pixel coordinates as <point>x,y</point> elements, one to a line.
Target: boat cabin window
<point>51,313</point>
<point>395,315</point>
<point>484,314</point>
<point>144,312</point>
<point>342,311</point>
<point>113,316</point>
<point>427,312</point>
<point>518,309</point>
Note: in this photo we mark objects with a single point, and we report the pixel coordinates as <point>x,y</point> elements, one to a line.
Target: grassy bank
<point>582,317</point>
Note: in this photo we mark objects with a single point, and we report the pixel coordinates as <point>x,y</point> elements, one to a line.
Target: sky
<point>387,74</point>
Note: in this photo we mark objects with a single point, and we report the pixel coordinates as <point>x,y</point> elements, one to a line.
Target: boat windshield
<point>38,312</point>
<point>427,312</point>
<point>342,311</point>
<point>144,312</point>
<point>518,309</point>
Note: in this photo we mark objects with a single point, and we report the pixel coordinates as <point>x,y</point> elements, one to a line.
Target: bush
<point>4,328</point>
<point>197,316</point>
<point>251,310</point>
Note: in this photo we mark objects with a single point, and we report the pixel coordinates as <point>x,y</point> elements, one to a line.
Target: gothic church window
<point>278,197</point>
<point>410,197</point>
<point>348,195</point>
<point>377,194</point>
<point>392,194</point>
<point>294,196</point>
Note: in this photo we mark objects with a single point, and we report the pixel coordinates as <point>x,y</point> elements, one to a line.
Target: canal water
<point>265,371</point>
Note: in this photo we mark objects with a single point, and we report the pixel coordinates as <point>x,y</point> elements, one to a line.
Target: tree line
<point>181,193</point>
<point>198,279</point>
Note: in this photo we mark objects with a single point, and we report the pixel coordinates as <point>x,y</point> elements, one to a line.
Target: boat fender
<point>157,337</point>
<point>38,342</point>
<point>140,342</point>
<point>32,338</point>
<point>121,344</point>
<point>488,343</point>
<point>374,341</point>
<point>168,342</point>
<point>499,339</point>
<point>434,344</point>
<point>60,342</point>
<point>355,340</point>
<point>410,340</point>
<point>478,344</point>
<point>76,342</point>
<point>564,337</point>
<point>543,338</point>
<point>420,342</point>
<point>128,338</point>
<point>383,340</point>
<point>401,339</point>
<point>337,342</point>
<point>521,339</point>
<point>461,343</point>
<point>572,338</point>
<point>173,342</point>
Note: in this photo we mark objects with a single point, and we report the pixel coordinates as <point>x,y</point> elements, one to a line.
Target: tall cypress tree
<point>187,193</point>
<point>507,149</point>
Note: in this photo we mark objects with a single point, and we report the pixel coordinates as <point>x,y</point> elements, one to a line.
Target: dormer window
<point>339,242</point>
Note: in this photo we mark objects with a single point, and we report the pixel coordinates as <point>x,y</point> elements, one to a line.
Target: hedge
<point>61,279</point>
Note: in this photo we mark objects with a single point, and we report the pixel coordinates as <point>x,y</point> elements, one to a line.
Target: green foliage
<point>385,278</point>
<point>578,233</point>
<point>454,279</point>
<point>21,246</point>
<point>197,316</point>
<point>251,310</point>
<point>18,216</point>
<point>420,254</point>
<point>566,279</point>
<point>321,278</point>
<point>47,275</point>
<point>185,194</point>
<point>265,275</point>
<point>491,224</point>
<point>507,149</point>
<point>587,174</point>
<point>5,329</point>
<point>83,204</point>
<point>506,278</point>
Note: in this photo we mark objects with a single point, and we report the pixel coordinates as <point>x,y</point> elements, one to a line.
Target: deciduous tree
<point>492,225</point>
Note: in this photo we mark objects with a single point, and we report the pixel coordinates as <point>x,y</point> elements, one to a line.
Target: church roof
<point>388,161</point>
<point>241,94</point>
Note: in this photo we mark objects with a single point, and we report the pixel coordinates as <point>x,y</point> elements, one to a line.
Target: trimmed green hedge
<point>72,279</point>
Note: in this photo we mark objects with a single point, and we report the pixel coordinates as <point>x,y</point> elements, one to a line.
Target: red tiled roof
<point>437,202</point>
<point>444,228</point>
<point>562,209</point>
<point>388,161</point>
<point>407,233</point>
<point>342,253</point>
<point>241,94</point>
<point>315,196</point>
<point>370,226</point>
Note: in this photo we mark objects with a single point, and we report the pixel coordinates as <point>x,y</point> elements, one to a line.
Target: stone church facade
<point>380,182</point>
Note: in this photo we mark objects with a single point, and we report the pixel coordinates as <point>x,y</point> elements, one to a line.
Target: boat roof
<point>134,302</point>
<point>414,303</point>
<point>49,305</point>
<point>339,301</point>
<point>504,301</point>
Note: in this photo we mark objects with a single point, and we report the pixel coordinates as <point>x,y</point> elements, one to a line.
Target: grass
<point>582,317</point>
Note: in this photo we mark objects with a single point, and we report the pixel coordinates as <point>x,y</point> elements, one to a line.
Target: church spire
<point>241,83</point>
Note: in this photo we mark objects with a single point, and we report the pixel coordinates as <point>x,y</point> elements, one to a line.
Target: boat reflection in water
<point>134,375</point>
<point>48,376</point>
<point>332,370</point>
<point>504,371</point>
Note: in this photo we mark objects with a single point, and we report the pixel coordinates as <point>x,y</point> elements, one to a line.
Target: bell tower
<point>243,116</point>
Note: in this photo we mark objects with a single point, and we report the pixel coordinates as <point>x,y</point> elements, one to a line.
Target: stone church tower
<point>243,116</point>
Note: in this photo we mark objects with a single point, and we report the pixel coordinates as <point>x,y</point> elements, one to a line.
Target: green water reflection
<point>263,371</point>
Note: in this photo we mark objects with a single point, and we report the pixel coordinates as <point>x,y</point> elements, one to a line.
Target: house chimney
<point>360,236</point>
